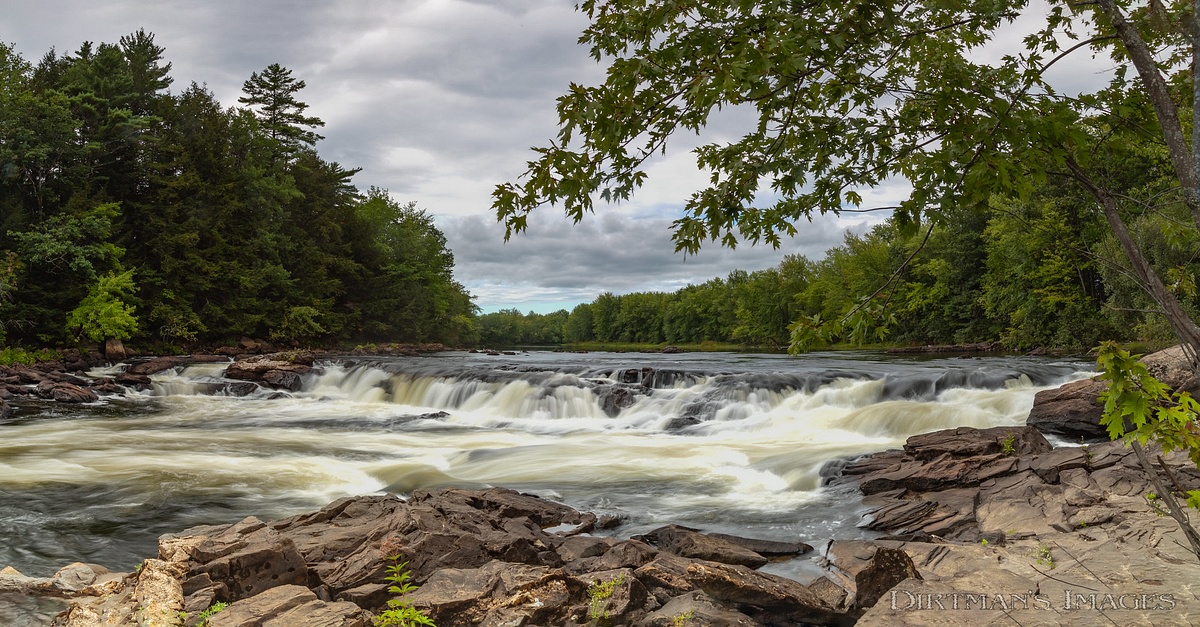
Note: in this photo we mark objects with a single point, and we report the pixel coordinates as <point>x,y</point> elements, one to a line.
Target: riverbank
<point>983,526</point>
<point>926,381</point>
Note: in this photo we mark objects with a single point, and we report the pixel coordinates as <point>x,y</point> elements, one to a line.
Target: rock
<point>696,609</point>
<point>1070,411</point>
<point>614,398</point>
<point>247,557</point>
<point>6,410</point>
<point>497,593</point>
<point>159,364</point>
<point>479,557</point>
<point>287,606</point>
<point>761,593</point>
<point>280,370</point>
<point>135,381</point>
<point>687,542</point>
<point>1171,366</point>
<point>867,571</point>
<point>971,442</point>
<point>282,379</point>
<point>66,392</point>
<point>114,350</point>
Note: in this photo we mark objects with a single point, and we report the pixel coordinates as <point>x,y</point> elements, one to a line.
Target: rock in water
<point>482,557</point>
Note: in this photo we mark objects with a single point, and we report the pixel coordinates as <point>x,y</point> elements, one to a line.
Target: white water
<point>728,443</point>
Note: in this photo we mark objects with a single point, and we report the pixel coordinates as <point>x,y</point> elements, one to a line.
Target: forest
<point>170,220</point>
<point>131,212</point>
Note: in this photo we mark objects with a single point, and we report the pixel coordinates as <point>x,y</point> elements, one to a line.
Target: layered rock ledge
<point>486,557</point>
<point>1006,530</point>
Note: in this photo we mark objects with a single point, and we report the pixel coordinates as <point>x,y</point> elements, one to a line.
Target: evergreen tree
<point>272,96</point>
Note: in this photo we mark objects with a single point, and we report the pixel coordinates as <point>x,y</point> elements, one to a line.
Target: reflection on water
<point>723,442</point>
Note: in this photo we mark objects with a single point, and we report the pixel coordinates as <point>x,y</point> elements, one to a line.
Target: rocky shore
<point>975,527</point>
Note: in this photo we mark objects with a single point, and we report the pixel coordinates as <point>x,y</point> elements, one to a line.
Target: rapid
<point>720,441</point>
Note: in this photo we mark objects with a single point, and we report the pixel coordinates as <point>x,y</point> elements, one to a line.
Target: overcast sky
<point>437,101</point>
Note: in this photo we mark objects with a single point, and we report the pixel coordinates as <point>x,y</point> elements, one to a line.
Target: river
<point>720,441</point>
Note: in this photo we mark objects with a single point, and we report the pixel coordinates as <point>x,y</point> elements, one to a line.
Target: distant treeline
<point>1040,272</point>
<point>128,211</point>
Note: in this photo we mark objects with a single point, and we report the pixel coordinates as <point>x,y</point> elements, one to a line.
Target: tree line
<point>129,211</point>
<point>1039,272</point>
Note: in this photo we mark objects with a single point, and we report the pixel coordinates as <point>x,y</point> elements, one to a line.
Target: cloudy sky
<point>437,101</point>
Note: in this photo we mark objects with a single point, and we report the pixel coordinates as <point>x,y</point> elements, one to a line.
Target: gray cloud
<point>557,262</point>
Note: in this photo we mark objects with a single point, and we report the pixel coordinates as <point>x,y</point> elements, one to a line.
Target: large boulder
<point>1173,367</point>
<point>159,364</point>
<point>66,392</point>
<point>1071,411</point>
<point>278,370</point>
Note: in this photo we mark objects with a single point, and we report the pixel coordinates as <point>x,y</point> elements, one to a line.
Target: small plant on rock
<point>599,592</point>
<point>1044,557</point>
<point>400,612</point>
<point>681,619</point>
<point>208,613</point>
<point>1008,444</point>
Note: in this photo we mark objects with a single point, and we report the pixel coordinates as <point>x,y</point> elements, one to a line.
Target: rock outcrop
<point>1073,412</point>
<point>988,514</point>
<point>277,370</point>
<point>487,557</point>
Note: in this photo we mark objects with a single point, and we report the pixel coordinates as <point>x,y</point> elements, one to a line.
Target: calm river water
<point>720,441</point>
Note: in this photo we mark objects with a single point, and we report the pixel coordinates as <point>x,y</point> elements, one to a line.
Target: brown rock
<point>66,392</point>
<point>1070,411</point>
<point>159,364</point>
<point>867,570</point>
<point>289,605</point>
<point>1171,366</point>
<point>761,593</point>
<point>687,542</point>
<point>700,610</point>
<point>972,442</point>
<point>284,368</point>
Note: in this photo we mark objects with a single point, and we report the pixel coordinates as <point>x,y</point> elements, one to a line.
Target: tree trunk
<point>1187,169</point>
<point>1181,324</point>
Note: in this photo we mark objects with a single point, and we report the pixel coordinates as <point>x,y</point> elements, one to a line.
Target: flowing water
<point>720,441</point>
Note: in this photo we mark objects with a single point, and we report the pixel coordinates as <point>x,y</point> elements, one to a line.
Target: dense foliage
<point>1042,272</point>
<point>844,96</point>
<point>129,211</point>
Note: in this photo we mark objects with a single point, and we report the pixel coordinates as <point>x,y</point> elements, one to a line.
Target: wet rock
<point>159,364</point>
<point>135,381</point>
<point>614,398</point>
<point>66,392</point>
<point>280,370</point>
<point>282,379</point>
<point>6,410</point>
<point>1070,411</point>
<point>971,442</point>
